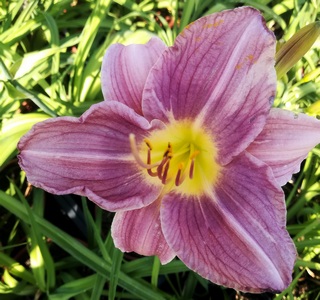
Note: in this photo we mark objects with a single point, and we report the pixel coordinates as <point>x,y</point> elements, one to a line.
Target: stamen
<point>165,172</point>
<point>179,180</point>
<point>191,169</point>
<point>160,167</point>
<point>150,172</point>
<point>168,152</point>
<point>192,158</point>
<point>164,163</point>
<point>135,152</point>
<point>194,154</point>
<point>149,157</point>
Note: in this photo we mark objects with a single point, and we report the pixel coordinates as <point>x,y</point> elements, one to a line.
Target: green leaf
<point>15,268</point>
<point>81,253</point>
<point>115,270</point>
<point>40,258</point>
<point>74,287</point>
<point>13,129</point>
<point>98,287</point>
<point>86,40</point>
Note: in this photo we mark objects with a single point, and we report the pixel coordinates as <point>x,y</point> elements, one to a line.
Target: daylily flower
<point>187,151</point>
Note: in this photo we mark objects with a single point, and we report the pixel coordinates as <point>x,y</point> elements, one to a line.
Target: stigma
<point>181,157</point>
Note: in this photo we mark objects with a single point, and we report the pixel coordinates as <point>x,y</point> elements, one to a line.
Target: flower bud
<point>314,108</point>
<point>296,47</point>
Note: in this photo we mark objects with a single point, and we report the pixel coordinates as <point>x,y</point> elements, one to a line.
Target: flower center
<point>180,157</point>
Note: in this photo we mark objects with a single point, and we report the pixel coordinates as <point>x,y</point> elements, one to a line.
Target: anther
<point>148,143</point>
<point>194,154</point>
<point>168,152</point>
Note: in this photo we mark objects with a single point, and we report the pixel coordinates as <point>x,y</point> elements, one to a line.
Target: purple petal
<point>285,141</point>
<point>235,237</point>
<point>125,70</point>
<point>90,156</point>
<point>220,71</point>
<point>140,231</point>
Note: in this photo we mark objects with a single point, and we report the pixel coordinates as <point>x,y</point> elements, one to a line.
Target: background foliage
<point>59,247</point>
